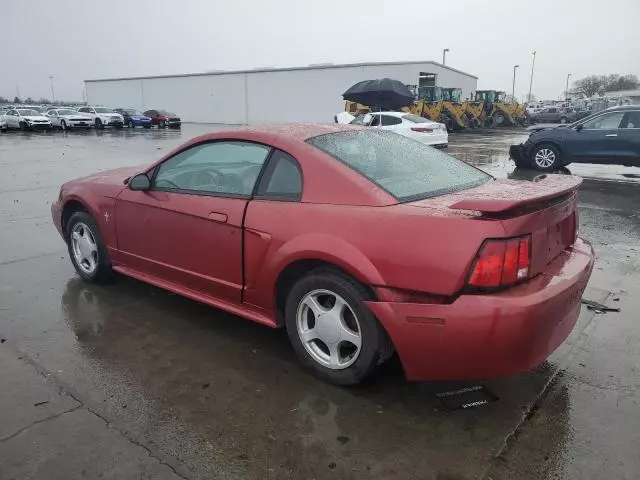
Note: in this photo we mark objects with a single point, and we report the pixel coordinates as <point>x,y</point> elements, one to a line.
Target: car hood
<point>547,126</point>
<point>113,177</point>
<point>76,116</point>
<point>35,117</point>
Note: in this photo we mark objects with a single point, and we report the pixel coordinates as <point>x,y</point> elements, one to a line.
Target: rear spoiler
<point>502,195</point>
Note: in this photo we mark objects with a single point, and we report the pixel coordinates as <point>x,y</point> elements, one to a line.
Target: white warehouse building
<point>303,94</point>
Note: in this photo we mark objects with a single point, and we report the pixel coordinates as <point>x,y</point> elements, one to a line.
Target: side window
<point>552,110</point>
<point>282,179</point>
<point>229,168</point>
<point>633,120</point>
<point>82,110</point>
<point>389,120</point>
<point>607,121</point>
<point>375,121</point>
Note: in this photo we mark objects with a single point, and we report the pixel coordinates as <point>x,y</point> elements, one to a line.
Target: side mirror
<point>579,127</point>
<point>140,182</point>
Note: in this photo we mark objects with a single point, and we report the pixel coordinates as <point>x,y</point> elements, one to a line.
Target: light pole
<point>513,87</point>
<point>566,90</point>
<point>533,64</point>
<point>53,92</point>
<point>444,55</point>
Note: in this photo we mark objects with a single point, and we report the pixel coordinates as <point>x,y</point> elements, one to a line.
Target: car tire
<point>87,250</point>
<point>162,125</point>
<point>98,124</point>
<point>23,127</point>
<point>146,126</point>
<point>564,120</point>
<point>341,361</point>
<point>130,124</point>
<point>63,125</point>
<point>545,157</point>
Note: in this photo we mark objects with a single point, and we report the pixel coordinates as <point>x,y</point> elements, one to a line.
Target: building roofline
<point>286,69</point>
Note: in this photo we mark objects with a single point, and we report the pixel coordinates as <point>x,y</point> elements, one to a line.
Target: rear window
<point>416,118</point>
<point>407,169</point>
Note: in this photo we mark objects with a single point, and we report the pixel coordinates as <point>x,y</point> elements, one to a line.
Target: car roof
<point>623,107</point>
<point>391,114</point>
<point>295,131</point>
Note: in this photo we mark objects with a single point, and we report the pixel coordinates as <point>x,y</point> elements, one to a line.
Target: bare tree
<point>589,86</point>
<point>17,100</point>
<point>616,83</point>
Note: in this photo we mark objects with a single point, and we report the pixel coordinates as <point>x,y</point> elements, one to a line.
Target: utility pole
<point>18,91</point>
<point>533,64</point>
<point>53,92</point>
<point>444,55</point>
<point>566,90</point>
<point>513,87</point>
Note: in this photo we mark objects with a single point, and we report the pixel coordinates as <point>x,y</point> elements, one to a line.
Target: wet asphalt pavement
<point>129,381</point>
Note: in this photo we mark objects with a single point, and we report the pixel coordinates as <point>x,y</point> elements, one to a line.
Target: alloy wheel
<point>545,158</point>
<point>84,247</point>
<point>328,329</point>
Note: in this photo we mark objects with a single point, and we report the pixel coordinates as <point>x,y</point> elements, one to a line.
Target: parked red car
<point>163,118</point>
<point>359,241</point>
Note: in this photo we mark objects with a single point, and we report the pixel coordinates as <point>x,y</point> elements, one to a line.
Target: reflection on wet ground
<point>219,397</point>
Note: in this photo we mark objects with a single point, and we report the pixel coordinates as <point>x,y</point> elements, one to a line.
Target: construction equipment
<point>355,108</point>
<point>441,105</point>
<point>495,110</point>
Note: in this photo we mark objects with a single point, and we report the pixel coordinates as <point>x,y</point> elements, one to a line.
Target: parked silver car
<point>27,119</point>
<point>65,118</point>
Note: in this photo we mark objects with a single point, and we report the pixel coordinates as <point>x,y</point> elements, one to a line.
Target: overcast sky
<point>73,40</point>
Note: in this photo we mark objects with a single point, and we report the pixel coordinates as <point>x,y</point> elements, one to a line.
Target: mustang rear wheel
<point>331,329</point>
<point>87,250</point>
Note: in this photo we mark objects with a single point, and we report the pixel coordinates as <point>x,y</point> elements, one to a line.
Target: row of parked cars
<point>87,116</point>
<point>556,114</point>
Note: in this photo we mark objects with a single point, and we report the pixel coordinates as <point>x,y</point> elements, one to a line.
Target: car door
<point>54,117</point>
<point>629,135</point>
<point>11,119</point>
<point>389,122</point>
<point>187,228</point>
<point>597,140</point>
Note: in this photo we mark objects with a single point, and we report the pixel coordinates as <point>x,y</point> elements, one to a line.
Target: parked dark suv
<point>553,115</point>
<point>611,136</point>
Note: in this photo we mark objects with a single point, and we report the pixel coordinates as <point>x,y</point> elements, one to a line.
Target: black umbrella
<point>384,93</point>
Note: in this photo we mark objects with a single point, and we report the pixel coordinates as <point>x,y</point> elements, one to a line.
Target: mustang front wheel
<point>331,329</point>
<point>87,250</point>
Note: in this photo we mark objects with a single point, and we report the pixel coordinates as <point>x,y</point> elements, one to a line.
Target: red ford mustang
<point>360,242</point>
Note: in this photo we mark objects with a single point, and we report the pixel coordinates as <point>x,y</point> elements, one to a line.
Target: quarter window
<point>389,120</point>
<point>607,121</point>
<point>282,179</point>
<point>633,120</point>
<point>228,168</point>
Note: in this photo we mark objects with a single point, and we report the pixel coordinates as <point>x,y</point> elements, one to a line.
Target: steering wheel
<point>205,177</point>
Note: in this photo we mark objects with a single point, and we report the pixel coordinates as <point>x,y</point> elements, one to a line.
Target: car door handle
<point>611,135</point>
<point>218,217</point>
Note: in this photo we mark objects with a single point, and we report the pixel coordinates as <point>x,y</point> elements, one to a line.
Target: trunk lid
<point>546,209</point>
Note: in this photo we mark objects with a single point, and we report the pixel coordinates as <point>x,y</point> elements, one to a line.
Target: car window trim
<point>261,177</point>
<point>153,173</point>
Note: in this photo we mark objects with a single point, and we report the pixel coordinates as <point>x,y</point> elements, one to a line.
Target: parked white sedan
<point>68,118</point>
<point>408,125</point>
<point>26,119</point>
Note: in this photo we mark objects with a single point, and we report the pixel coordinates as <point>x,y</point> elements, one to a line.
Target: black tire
<point>499,119</point>
<point>23,127</point>
<point>564,120</point>
<point>103,272</point>
<point>146,126</point>
<point>118,126</point>
<point>63,125</point>
<point>99,124</point>
<point>162,124</point>
<point>548,151</point>
<point>130,124</point>
<point>375,347</point>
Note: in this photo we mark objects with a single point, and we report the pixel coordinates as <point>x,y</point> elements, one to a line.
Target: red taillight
<point>422,129</point>
<point>501,262</point>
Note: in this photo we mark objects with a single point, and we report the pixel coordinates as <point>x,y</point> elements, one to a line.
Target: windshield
<point>166,113</point>
<point>67,112</point>
<point>407,169</point>
<point>131,111</point>
<point>103,110</point>
<point>416,118</point>
<point>28,112</point>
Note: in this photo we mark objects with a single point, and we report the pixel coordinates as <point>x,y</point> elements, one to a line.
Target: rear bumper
<point>490,335</point>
